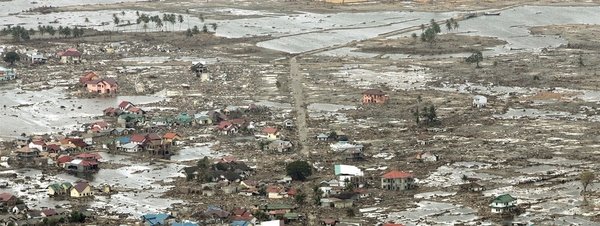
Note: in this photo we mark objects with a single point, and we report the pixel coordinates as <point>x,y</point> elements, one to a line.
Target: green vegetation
<point>298,170</point>
<point>476,57</point>
<point>11,58</point>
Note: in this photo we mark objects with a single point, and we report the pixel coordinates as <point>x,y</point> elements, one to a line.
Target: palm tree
<point>116,20</point>
<point>67,31</point>
<point>159,23</point>
<point>165,18</point>
<point>50,30</point>
<point>41,29</point>
<point>138,21</point>
<point>448,25</point>
<point>172,20</point>
<point>214,26</point>
<point>180,19</point>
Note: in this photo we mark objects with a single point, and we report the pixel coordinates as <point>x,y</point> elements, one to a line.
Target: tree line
<point>22,34</point>
<point>159,22</point>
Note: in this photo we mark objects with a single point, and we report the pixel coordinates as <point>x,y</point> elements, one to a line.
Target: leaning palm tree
<point>159,23</point>
<point>180,19</point>
<point>173,20</point>
<point>116,20</point>
<point>165,18</point>
<point>41,29</point>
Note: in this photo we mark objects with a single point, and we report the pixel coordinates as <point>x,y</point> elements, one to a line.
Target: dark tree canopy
<point>476,57</point>
<point>298,170</point>
<point>11,57</point>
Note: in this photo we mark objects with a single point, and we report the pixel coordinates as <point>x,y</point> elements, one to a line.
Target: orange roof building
<point>397,180</point>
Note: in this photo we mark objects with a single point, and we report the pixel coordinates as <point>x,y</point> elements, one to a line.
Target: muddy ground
<point>443,44</point>
<point>542,108</point>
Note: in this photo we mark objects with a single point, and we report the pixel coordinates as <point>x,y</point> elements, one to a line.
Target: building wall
<point>344,1</point>
<point>377,99</point>
<point>272,195</point>
<point>396,184</point>
<point>86,192</point>
<point>272,136</point>
<point>101,87</point>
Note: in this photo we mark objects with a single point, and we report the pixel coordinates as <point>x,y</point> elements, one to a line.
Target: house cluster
<point>340,144</point>
<point>7,74</point>
<point>40,151</point>
<point>78,190</point>
<point>15,212</point>
<point>224,172</point>
<point>151,143</point>
<point>216,215</point>
<point>347,187</point>
<point>85,163</point>
<point>35,57</point>
<point>95,84</point>
<point>69,56</point>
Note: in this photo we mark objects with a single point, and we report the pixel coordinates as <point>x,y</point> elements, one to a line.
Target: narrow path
<point>297,87</point>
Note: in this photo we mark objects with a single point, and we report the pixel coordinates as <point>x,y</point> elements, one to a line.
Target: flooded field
<point>51,110</point>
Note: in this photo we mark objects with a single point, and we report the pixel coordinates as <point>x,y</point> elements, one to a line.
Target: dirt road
<point>299,106</point>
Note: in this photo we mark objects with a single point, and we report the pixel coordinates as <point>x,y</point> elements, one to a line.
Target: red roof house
<point>63,159</point>
<point>8,199</point>
<point>392,224</point>
<point>397,180</point>
<point>138,139</point>
<point>124,105</point>
<point>89,76</point>
<point>270,130</point>
<point>395,174</point>
<point>49,212</point>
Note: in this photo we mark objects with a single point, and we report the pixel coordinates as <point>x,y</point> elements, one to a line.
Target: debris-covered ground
<point>298,71</point>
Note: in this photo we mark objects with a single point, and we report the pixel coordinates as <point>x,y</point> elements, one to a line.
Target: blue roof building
<point>156,219</point>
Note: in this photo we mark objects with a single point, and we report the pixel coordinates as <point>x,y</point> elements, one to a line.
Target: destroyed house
<point>156,219</point>
<point>7,74</point>
<point>26,154</point>
<point>349,174</point>
<point>374,96</point>
<point>82,166</point>
<point>215,214</point>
